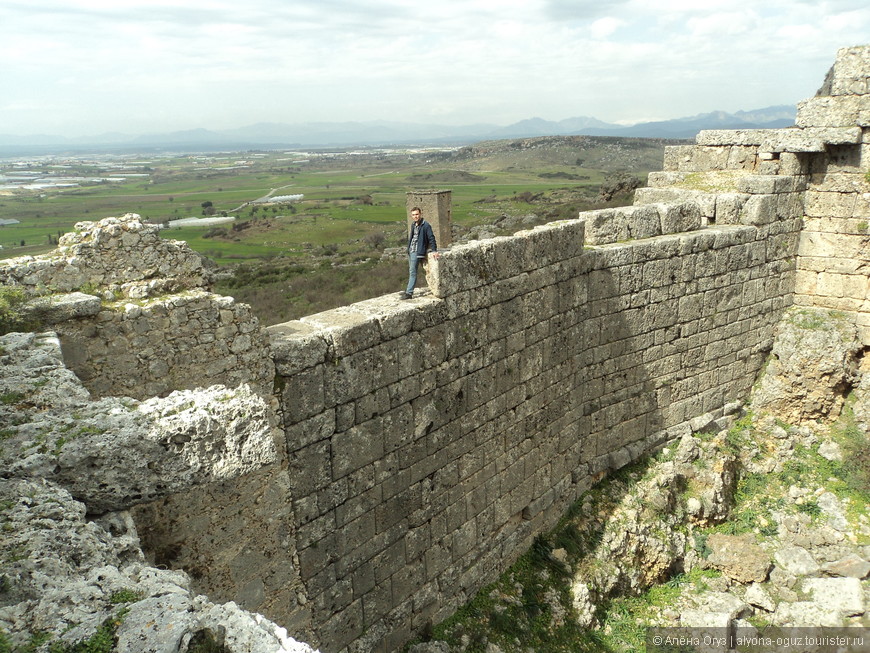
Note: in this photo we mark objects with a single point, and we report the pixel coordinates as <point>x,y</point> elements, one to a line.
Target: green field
<point>353,204</point>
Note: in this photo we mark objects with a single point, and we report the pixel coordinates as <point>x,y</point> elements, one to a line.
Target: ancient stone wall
<point>834,251</point>
<point>120,255</point>
<point>429,442</point>
<point>149,347</point>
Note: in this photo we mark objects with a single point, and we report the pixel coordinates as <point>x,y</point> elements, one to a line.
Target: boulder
<point>739,557</point>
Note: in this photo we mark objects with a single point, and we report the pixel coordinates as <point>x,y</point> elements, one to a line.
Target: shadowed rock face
<point>68,577</point>
<point>67,458</point>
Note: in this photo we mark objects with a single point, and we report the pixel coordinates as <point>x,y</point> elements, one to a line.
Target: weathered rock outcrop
<point>645,540</point>
<point>119,255</point>
<point>813,365</point>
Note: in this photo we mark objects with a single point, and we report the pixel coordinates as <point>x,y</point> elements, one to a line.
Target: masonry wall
<point>147,348</point>
<point>430,441</point>
<point>834,255</point>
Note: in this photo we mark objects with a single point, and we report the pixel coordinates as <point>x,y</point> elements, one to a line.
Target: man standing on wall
<point>420,241</point>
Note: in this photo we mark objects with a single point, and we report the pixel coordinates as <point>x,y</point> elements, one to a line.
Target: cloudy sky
<point>84,67</point>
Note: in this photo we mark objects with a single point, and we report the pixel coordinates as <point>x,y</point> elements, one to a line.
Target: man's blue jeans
<point>413,262</point>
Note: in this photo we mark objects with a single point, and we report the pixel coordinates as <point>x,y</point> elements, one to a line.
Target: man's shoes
<point>405,295</point>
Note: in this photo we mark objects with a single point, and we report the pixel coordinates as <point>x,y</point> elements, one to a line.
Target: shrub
<point>12,314</point>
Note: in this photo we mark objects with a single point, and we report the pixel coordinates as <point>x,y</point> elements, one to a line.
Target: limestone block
<point>665,179</point>
<point>729,207</point>
<point>461,268</point>
<point>806,614</point>
<point>602,226</point>
<point>707,158</point>
<point>844,595</point>
<point>757,596</point>
<point>677,218</point>
<point>705,199</point>
<point>677,156</point>
<point>60,308</point>
<point>833,245</point>
<point>791,139</point>
<point>744,137</point>
<point>742,157</point>
<point>827,111</point>
<point>838,205</point>
<point>303,394</point>
<point>790,205</point>
<point>296,346</point>
<point>714,610</point>
<point>357,447</point>
<point>346,330</point>
<point>351,377</point>
<point>850,75</point>
<point>739,557</point>
<point>805,282</point>
<point>763,184</point>
<point>759,210</point>
<point>792,164</point>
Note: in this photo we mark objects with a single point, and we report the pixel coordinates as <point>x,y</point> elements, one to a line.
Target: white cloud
<point>604,27</point>
<point>141,65</point>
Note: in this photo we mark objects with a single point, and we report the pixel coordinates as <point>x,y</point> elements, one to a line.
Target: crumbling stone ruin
<point>421,446</point>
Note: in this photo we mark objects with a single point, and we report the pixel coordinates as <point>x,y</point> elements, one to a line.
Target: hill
<point>374,133</point>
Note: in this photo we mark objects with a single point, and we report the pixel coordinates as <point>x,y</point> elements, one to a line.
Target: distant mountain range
<point>344,134</point>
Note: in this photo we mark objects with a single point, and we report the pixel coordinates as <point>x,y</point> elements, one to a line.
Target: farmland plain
<point>293,256</point>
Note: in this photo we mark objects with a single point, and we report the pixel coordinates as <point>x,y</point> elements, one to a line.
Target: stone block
<point>461,268</point>
<point>296,346</point>
<point>850,72</point>
<point>357,375</point>
<point>829,111</point>
<point>676,156</point>
<point>311,430</point>
<point>677,218</point>
<point>759,210</point>
<point>665,179</point>
<point>303,394</point>
<point>837,205</point>
<point>346,330</point>
<point>343,628</point>
<point>739,557</point>
<point>729,207</point>
<point>640,221</point>
<point>356,447</point>
<point>395,319</point>
<point>60,308</point>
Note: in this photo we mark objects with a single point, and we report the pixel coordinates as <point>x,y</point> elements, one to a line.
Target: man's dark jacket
<point>425,239</point>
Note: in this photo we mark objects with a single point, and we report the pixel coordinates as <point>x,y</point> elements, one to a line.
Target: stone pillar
<point>437,210</point>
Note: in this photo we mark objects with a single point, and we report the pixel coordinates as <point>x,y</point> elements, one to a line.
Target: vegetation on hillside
<point>530,606</point>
